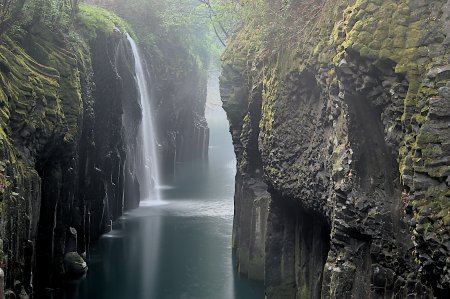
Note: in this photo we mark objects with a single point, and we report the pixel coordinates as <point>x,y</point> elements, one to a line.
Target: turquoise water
<point>180,249</point>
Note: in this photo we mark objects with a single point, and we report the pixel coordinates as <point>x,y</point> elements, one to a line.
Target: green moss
<point>64,64</point>
<point>397,40</point>
<point>437,192</point>
<point>419,119</point>
<point>432,151</point>
<point>427,228</point>
<point>425,137</point>
<point>269,95</point>
<point>96,19</point>
<point>439,172</point>
<point>26,85</point>
<point>380,30</point>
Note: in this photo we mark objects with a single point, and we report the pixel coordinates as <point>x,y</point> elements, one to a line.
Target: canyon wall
<point>69,152</point>
<point>65,173</point>
<point>178,66</point>
<point>180,98</point>
<point>341,140</point>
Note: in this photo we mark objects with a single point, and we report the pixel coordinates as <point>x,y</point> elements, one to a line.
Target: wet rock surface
<point>63,153</point>
<point>74,265</point>
<point>69,152</point>
<point>352,154</point>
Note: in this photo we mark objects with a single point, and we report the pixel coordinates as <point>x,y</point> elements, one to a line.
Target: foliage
<point>54,14</point>
<point>183,26</point>
<point>200,26</point>
<point>284,22</point>
<point>10,10</point>
<point>216,15</point>
<point>277,22</point>
<point>96,19</point>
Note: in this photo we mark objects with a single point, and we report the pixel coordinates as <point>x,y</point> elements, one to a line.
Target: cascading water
<point>150,179</point>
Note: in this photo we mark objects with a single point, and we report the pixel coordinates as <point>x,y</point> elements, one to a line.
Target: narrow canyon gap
<point>178,246</point>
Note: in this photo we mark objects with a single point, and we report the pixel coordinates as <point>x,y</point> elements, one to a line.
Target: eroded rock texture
<point>179,89</point>
<point>64,155</point>
<point>342,188</point>
<point>181,110</point>
<point>69,151</point>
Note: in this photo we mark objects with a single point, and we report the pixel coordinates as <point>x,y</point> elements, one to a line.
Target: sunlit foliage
<point>55,14</point>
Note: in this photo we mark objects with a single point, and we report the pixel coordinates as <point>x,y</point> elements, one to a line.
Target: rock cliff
<point>180,96</point>
<point>178,69</point>
<point>64,155</point>
<point>179,82</point>
<point>341,139</point>
<point>69,161</point>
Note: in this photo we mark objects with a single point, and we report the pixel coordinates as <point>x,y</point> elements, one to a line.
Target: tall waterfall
<point>150,175</point>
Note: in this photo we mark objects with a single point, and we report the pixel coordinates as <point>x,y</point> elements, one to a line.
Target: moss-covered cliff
<point>63,152</point>
<point>69,154</point>
<point>341,138</point>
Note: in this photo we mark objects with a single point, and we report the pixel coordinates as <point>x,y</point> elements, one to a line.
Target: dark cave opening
<point>297,246</point>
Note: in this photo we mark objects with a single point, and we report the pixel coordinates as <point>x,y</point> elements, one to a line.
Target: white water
<point>150,176</point>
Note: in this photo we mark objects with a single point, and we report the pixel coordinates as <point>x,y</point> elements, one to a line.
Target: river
<point>180,248</point>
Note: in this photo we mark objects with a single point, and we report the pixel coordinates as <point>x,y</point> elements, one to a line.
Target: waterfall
<point>150,176</point>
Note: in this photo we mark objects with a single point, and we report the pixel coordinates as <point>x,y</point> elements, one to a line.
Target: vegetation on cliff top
<point>174,39</point>
<point>55,14</point>
<point>96,19</point>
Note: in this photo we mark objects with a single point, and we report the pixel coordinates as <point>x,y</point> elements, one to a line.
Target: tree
<point>10,12</point>
<point>54,13</point>
<point>74,4</point>
<point>215,21</point>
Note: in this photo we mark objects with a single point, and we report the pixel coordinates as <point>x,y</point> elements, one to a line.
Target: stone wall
<point>64,162</point>
<point>345,136</point>
<point>179,90</point>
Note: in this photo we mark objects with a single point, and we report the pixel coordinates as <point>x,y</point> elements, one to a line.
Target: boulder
<point>74,264</point>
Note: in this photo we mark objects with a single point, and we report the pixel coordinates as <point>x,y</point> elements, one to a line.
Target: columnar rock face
<point>69,152</point>
<point>178,81</point>
<point>65,172</point>
<point>179,89</point>
<point>343,181</point>
<point>182,122</point>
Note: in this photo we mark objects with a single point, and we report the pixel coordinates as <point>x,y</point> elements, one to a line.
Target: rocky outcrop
<point>342,188</point>
<point>177,68</point>
<point>183,130</point>
<point>69,120</point>
<point>179,90</point>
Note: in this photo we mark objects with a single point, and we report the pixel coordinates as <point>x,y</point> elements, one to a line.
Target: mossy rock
<point>93,19</point>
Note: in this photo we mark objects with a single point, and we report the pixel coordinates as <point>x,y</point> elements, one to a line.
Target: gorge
<point>119,159</point>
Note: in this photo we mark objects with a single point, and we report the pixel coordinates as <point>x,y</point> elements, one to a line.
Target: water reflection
<point>180,249</point>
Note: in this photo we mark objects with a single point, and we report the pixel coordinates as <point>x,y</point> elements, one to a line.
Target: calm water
<point>180,249</point>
